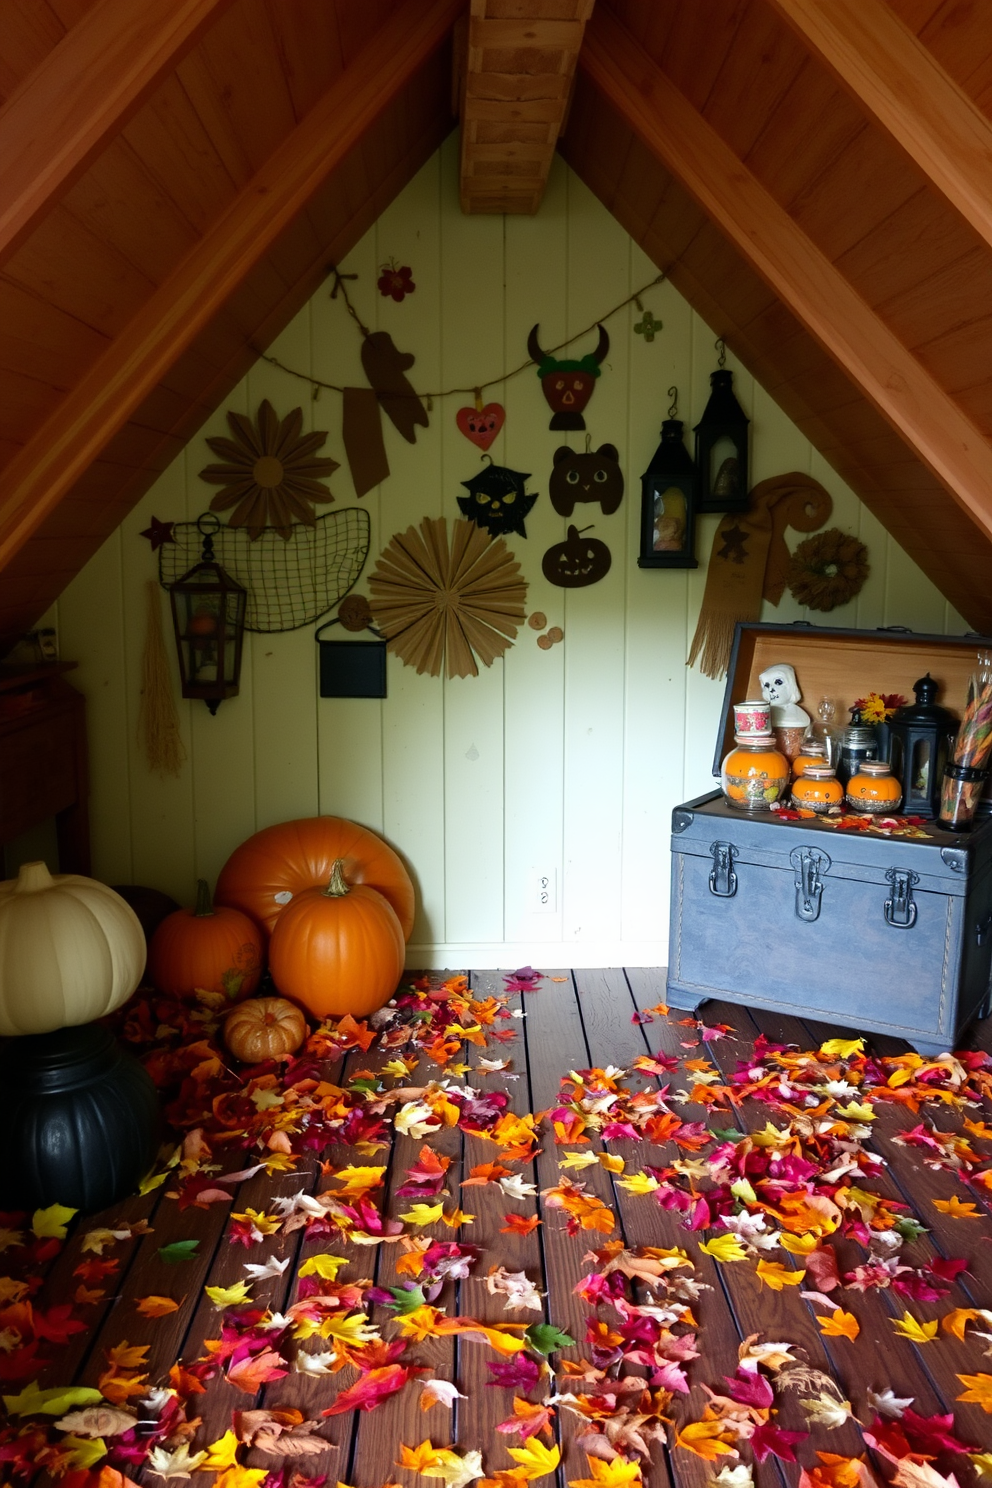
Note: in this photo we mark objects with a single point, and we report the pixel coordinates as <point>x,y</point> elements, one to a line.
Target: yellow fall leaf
<point>958,1319</point>
<point>838,1048</point>
<point>640,1183</point>
<point>798,1244</point>
<point>708,1439</point>
<point>908,1327</point>
<point>610,1162</point>
<point>955,1208</point>
<point>153,1307</point>
<point>616,1474</point>
<point>982,1463</point>
<point>325,1266</point>
<point>230,1296</point>
<point>724,1248</point>
<point>979,1390</point>
<point>423,1214</point>
<point>578,1160</point>
<point>537,1459</point>
<point>50,1223</point>
<point>777,1276</point>
<point>840,1324</point>
<point>241,1477</point>
<point>222,1453</point>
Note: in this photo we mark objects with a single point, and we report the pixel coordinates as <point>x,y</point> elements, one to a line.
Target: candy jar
<point>813,752</point>
<point>754,774</point>
<point>860,743</point>
<point>818,789</point>
<point>874,790</point>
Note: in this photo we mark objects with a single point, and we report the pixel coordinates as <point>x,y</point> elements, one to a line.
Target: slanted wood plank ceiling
<point>146,216</point>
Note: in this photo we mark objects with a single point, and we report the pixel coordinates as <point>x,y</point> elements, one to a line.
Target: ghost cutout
<point>780,688</point>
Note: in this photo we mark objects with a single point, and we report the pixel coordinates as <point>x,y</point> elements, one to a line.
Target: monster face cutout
<point>568,385</point>
<point>576,562</point>
<point>593,476</point>
<point>497,500</point>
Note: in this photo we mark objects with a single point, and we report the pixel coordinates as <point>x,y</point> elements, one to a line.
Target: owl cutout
<point>497,500</point>
<point>593,475</point>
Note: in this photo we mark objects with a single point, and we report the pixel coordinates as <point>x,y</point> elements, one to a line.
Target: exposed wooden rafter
<point>903,88</point>
<point>81,95</point>
<point>929,421</point>
<point>92,412</point>
<point>515,84</point>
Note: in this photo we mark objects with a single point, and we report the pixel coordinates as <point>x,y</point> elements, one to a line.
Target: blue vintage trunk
<point>891,935</point>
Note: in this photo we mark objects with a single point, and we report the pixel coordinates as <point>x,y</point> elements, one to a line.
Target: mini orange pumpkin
<point>338,950</point>
<point>264,1028</point>
<point>218,949</point>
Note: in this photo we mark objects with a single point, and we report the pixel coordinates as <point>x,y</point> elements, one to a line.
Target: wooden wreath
<point>444,603</point>
<point>828,570</point>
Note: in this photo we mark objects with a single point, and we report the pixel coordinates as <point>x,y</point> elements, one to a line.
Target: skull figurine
<point>780,688</point>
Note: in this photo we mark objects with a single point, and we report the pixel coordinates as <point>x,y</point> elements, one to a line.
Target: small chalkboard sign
<point>351,669</point>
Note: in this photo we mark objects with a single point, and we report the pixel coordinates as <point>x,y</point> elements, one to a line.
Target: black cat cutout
<point>497,500</point>
<point>591,476</point>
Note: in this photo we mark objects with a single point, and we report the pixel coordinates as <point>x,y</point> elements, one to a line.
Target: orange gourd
<point>338,949</point>
<point>268,871</point>
<point>218,949</point>
<point>264,1028</point>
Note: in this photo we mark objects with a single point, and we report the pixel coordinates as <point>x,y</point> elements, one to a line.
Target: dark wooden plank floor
<point>573,1021</point>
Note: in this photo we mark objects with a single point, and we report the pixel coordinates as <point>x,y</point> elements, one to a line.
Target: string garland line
<point>317,383</point>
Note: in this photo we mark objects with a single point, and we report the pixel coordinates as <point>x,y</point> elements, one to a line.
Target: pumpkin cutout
<point>338,949</point>
<point>481,425</point>
<point>593,475</point>
<point>265,873</point>
<point>212,949</point>
<point>264,1028</point>
<point>576,562</point>
<point>71,950</point>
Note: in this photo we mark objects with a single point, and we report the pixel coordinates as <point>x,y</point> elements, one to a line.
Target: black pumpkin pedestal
<point>81,1119</point>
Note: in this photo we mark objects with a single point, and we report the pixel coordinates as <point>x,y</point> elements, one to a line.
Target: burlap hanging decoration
<point>158,720</point>
<point>750,561</point>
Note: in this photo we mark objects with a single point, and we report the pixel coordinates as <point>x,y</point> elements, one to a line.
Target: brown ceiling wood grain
<point>112,234</point>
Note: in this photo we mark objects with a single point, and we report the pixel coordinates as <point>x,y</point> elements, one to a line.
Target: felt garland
<point>828,570</point>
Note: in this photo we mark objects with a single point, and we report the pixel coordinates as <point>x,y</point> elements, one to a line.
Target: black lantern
<point>208,612</point>
<point>921,736</point>
<point>668,502</point>
<point>721,447</point>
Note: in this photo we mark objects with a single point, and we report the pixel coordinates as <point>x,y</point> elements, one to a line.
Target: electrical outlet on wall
<point>544,891</point>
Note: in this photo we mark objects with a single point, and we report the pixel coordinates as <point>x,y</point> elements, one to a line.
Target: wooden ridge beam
<point>902,87</point>
<point>514,90</point>
<point>929,421</point>
<point>90,415</point>
<point>81,95</point>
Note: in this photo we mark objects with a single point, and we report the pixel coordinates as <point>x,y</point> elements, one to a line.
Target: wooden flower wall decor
<point>439,603</point>
<point>271,475</point>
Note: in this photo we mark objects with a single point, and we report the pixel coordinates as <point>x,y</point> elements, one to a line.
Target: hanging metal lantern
<point>668,501</point>
<point>921,735</point>
<point>208,612</point>
<point>722,447</point>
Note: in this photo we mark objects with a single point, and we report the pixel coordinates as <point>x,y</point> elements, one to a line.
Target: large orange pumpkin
<point>266,873</point>
<point>338,949</point>
<point>217,948</point>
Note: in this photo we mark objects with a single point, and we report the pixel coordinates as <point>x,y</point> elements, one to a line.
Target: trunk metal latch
<point>900,908</point>
<point>723,879</point>
<point>809,864</point>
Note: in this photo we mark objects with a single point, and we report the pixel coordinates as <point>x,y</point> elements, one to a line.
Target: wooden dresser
<point>43,770</point>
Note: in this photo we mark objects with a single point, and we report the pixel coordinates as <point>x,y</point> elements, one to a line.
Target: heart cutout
<point>481,425</point>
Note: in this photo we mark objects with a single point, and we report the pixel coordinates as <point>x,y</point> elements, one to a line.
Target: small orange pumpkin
<point>264,1028</point>
<point>338,950</point>
<point>218,949</point>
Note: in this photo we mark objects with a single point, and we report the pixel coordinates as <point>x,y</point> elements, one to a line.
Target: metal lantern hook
<point>208,524</point>
<point>673,407</point>
<point>721,347</point>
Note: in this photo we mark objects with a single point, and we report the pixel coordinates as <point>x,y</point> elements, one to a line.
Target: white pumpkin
<point>70,951</point>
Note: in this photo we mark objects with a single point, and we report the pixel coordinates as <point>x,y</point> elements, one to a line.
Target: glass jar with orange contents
<point>874,790</point>
<point>813,752</point>
<point>755,774</point>
<point>818,789</point>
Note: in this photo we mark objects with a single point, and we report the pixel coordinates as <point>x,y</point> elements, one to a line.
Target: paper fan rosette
<point>447,604</point>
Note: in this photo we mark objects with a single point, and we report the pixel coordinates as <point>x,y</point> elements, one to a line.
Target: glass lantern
<point>668,504</point>
<point>208,613</point>
<point>722,449</point>
<point>921,736</point>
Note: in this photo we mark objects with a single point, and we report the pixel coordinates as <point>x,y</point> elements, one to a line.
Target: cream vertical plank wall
<point>563,762</point>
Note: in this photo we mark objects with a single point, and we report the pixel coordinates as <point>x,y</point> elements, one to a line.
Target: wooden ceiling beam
<point>81,95</point>
<point>929,421</point>
<point>902,87</point>
<point>90,415</point>
<point>514,86</point>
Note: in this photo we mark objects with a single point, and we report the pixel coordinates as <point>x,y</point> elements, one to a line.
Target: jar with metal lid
<point>813,752</point>
<point>860,743</point>
<point>755,774</point>
<point>818,789</point>
<point>874,790</point>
